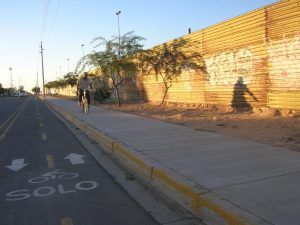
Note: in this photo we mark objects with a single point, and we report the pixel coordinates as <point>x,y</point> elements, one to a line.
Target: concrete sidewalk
<point>222,180</point>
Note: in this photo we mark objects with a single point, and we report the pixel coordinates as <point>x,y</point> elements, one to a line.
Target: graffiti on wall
<point>284,59</point>
<point>227,67</point>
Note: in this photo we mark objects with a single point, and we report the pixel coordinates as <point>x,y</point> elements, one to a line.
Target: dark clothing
<point>81,94</point>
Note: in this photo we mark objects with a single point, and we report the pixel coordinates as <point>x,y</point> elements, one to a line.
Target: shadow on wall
<point>239,101</point>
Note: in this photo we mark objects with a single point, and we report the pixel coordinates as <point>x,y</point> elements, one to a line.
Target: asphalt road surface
<point>47,177</point>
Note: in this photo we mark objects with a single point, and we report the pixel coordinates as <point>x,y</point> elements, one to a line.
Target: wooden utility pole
<point>43,69</point>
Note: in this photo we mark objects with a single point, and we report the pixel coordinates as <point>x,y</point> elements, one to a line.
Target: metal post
<point>11,80</point>
<point>43,69</point>
<point>118,14</point>
<point>82,51</point>
<point>83,66</point>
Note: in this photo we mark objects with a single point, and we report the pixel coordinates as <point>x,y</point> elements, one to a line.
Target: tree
<point>116,60</point>
<point>71,79</point>
<point>36,90</point>
<point>168,61</point>
<point>21,88</point>
<point>56,84</point>
<point>1,90</point>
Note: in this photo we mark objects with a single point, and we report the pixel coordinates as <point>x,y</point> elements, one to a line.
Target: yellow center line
<point>66,221</point>
<point>12,115</point>
<point>50,162</point>
<point>44,137</point>
<point>14,118</point>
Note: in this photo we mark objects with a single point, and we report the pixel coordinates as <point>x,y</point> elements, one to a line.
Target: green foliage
<point>1,89</point>
<point>101,94</point>
<point>168,61</point>
<point>36,90</point>
<point>115,60</point>
<point>55,84</point>
<point>71,79</point>
<point>21,88</point>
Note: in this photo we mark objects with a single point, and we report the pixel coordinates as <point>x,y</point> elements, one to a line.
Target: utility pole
<point>37,83</point>
<point>43,69</point>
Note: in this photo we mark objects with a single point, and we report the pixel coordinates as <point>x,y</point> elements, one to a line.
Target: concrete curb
<point>206,205</point>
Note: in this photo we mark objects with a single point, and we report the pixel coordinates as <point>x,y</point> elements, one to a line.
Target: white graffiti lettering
<point>227,67</point>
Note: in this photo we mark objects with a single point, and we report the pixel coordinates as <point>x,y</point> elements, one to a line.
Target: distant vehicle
<point>15,94</point>
<point>23,94</point>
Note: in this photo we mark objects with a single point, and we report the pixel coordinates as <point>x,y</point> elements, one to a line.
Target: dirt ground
<point>277,128</point>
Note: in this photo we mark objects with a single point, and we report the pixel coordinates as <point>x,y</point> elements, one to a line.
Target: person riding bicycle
<point>83,83</point>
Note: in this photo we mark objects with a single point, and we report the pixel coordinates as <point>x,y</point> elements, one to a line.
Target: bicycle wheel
<point>86,106</point>
<point>82,106</point>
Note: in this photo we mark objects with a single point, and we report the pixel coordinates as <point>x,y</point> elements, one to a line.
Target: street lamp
<point>68,65</point>
<point>82,51</point>
<point>118,14</point>
<point>11,80</point>
<point>82,56</point>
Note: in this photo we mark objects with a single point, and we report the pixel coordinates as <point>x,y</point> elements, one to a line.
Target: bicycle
<point>84,104</point>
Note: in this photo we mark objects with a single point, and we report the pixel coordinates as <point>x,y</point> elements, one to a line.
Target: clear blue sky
<point>67,24</point>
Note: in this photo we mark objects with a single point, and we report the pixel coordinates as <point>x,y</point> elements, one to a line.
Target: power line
<point>44,19</point>
<point>54,19</point>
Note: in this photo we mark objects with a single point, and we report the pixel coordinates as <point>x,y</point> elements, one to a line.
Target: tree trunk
<point>165,93</point>
<point>118,95</point>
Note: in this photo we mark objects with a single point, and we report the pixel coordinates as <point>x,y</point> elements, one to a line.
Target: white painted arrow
<point>75,158</point>
<point>17,164</point>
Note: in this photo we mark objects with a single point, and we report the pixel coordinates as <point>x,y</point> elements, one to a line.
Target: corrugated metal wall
<point>251,60</point>
<point>234,53</point>
<point>284,55</point>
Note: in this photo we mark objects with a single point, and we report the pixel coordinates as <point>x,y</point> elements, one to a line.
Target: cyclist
<point>83,83</point>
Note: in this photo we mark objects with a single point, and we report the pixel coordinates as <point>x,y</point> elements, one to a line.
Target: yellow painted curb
<point>213,212</point>
<point>187,197</point>
<point>135,163</point>
<point>104,141</point>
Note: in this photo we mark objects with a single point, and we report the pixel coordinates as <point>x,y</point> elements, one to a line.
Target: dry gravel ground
<point>273,127</point>
<point>266,126</point>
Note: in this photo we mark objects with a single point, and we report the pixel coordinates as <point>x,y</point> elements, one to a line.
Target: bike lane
<point>49,178</point>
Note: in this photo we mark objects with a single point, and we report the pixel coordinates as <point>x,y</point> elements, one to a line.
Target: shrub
<point>101,94</point>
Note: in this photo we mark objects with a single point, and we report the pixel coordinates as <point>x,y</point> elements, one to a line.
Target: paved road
<point>47,177</point>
